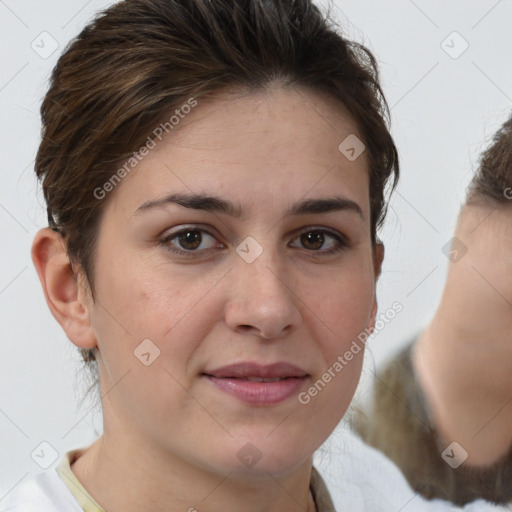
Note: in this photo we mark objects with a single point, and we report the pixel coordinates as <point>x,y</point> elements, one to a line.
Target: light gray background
<point>443,111</point>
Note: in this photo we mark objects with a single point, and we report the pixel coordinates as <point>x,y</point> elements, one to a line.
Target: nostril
<point>246,328</point>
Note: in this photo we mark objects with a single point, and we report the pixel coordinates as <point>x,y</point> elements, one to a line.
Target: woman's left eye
<point>193,240</point>
<point>315,238</point>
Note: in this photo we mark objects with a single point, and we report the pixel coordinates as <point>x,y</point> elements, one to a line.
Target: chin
<point>260,454</point>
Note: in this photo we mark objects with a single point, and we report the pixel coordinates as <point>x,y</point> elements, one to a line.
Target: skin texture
<point>171,438</point>
<point>463,358</point>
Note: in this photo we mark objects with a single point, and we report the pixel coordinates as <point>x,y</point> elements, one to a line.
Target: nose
<point>262,300</point>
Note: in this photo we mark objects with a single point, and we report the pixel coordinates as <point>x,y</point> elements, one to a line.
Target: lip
<point>242,380</point>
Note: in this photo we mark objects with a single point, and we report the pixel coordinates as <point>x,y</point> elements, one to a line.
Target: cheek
<point>345,307</point>
<point>148,329</point>
<point>134,306</point>
<point>343,314</point>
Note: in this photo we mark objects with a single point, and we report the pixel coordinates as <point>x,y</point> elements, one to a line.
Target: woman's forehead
<point>285,143</point>
<point>294,111</point>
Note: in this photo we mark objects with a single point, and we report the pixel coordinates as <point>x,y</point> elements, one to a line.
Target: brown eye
<point>312,239</point>
<point>190,240</point>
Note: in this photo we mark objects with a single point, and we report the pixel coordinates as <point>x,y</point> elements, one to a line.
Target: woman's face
<point>201,310</point>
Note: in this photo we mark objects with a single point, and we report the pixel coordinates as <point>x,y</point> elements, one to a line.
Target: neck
<point>145,481</point>
<point>463,360</point>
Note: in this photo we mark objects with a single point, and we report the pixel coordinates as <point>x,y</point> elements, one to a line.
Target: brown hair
<point>141,59</point>
<point>493,179</point>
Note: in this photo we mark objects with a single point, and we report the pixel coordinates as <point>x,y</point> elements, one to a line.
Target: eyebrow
<point>218,205</point>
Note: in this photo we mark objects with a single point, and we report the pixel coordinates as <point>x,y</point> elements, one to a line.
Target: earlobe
<point>65,295</point>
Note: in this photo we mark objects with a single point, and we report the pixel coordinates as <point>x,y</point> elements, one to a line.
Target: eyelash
<point>343,242</point>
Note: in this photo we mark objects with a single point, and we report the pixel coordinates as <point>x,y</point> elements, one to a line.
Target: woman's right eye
<point>189,241</point>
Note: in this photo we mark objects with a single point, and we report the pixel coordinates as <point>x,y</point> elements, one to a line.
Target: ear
<point>378,258</point>
<point>67,293</point>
